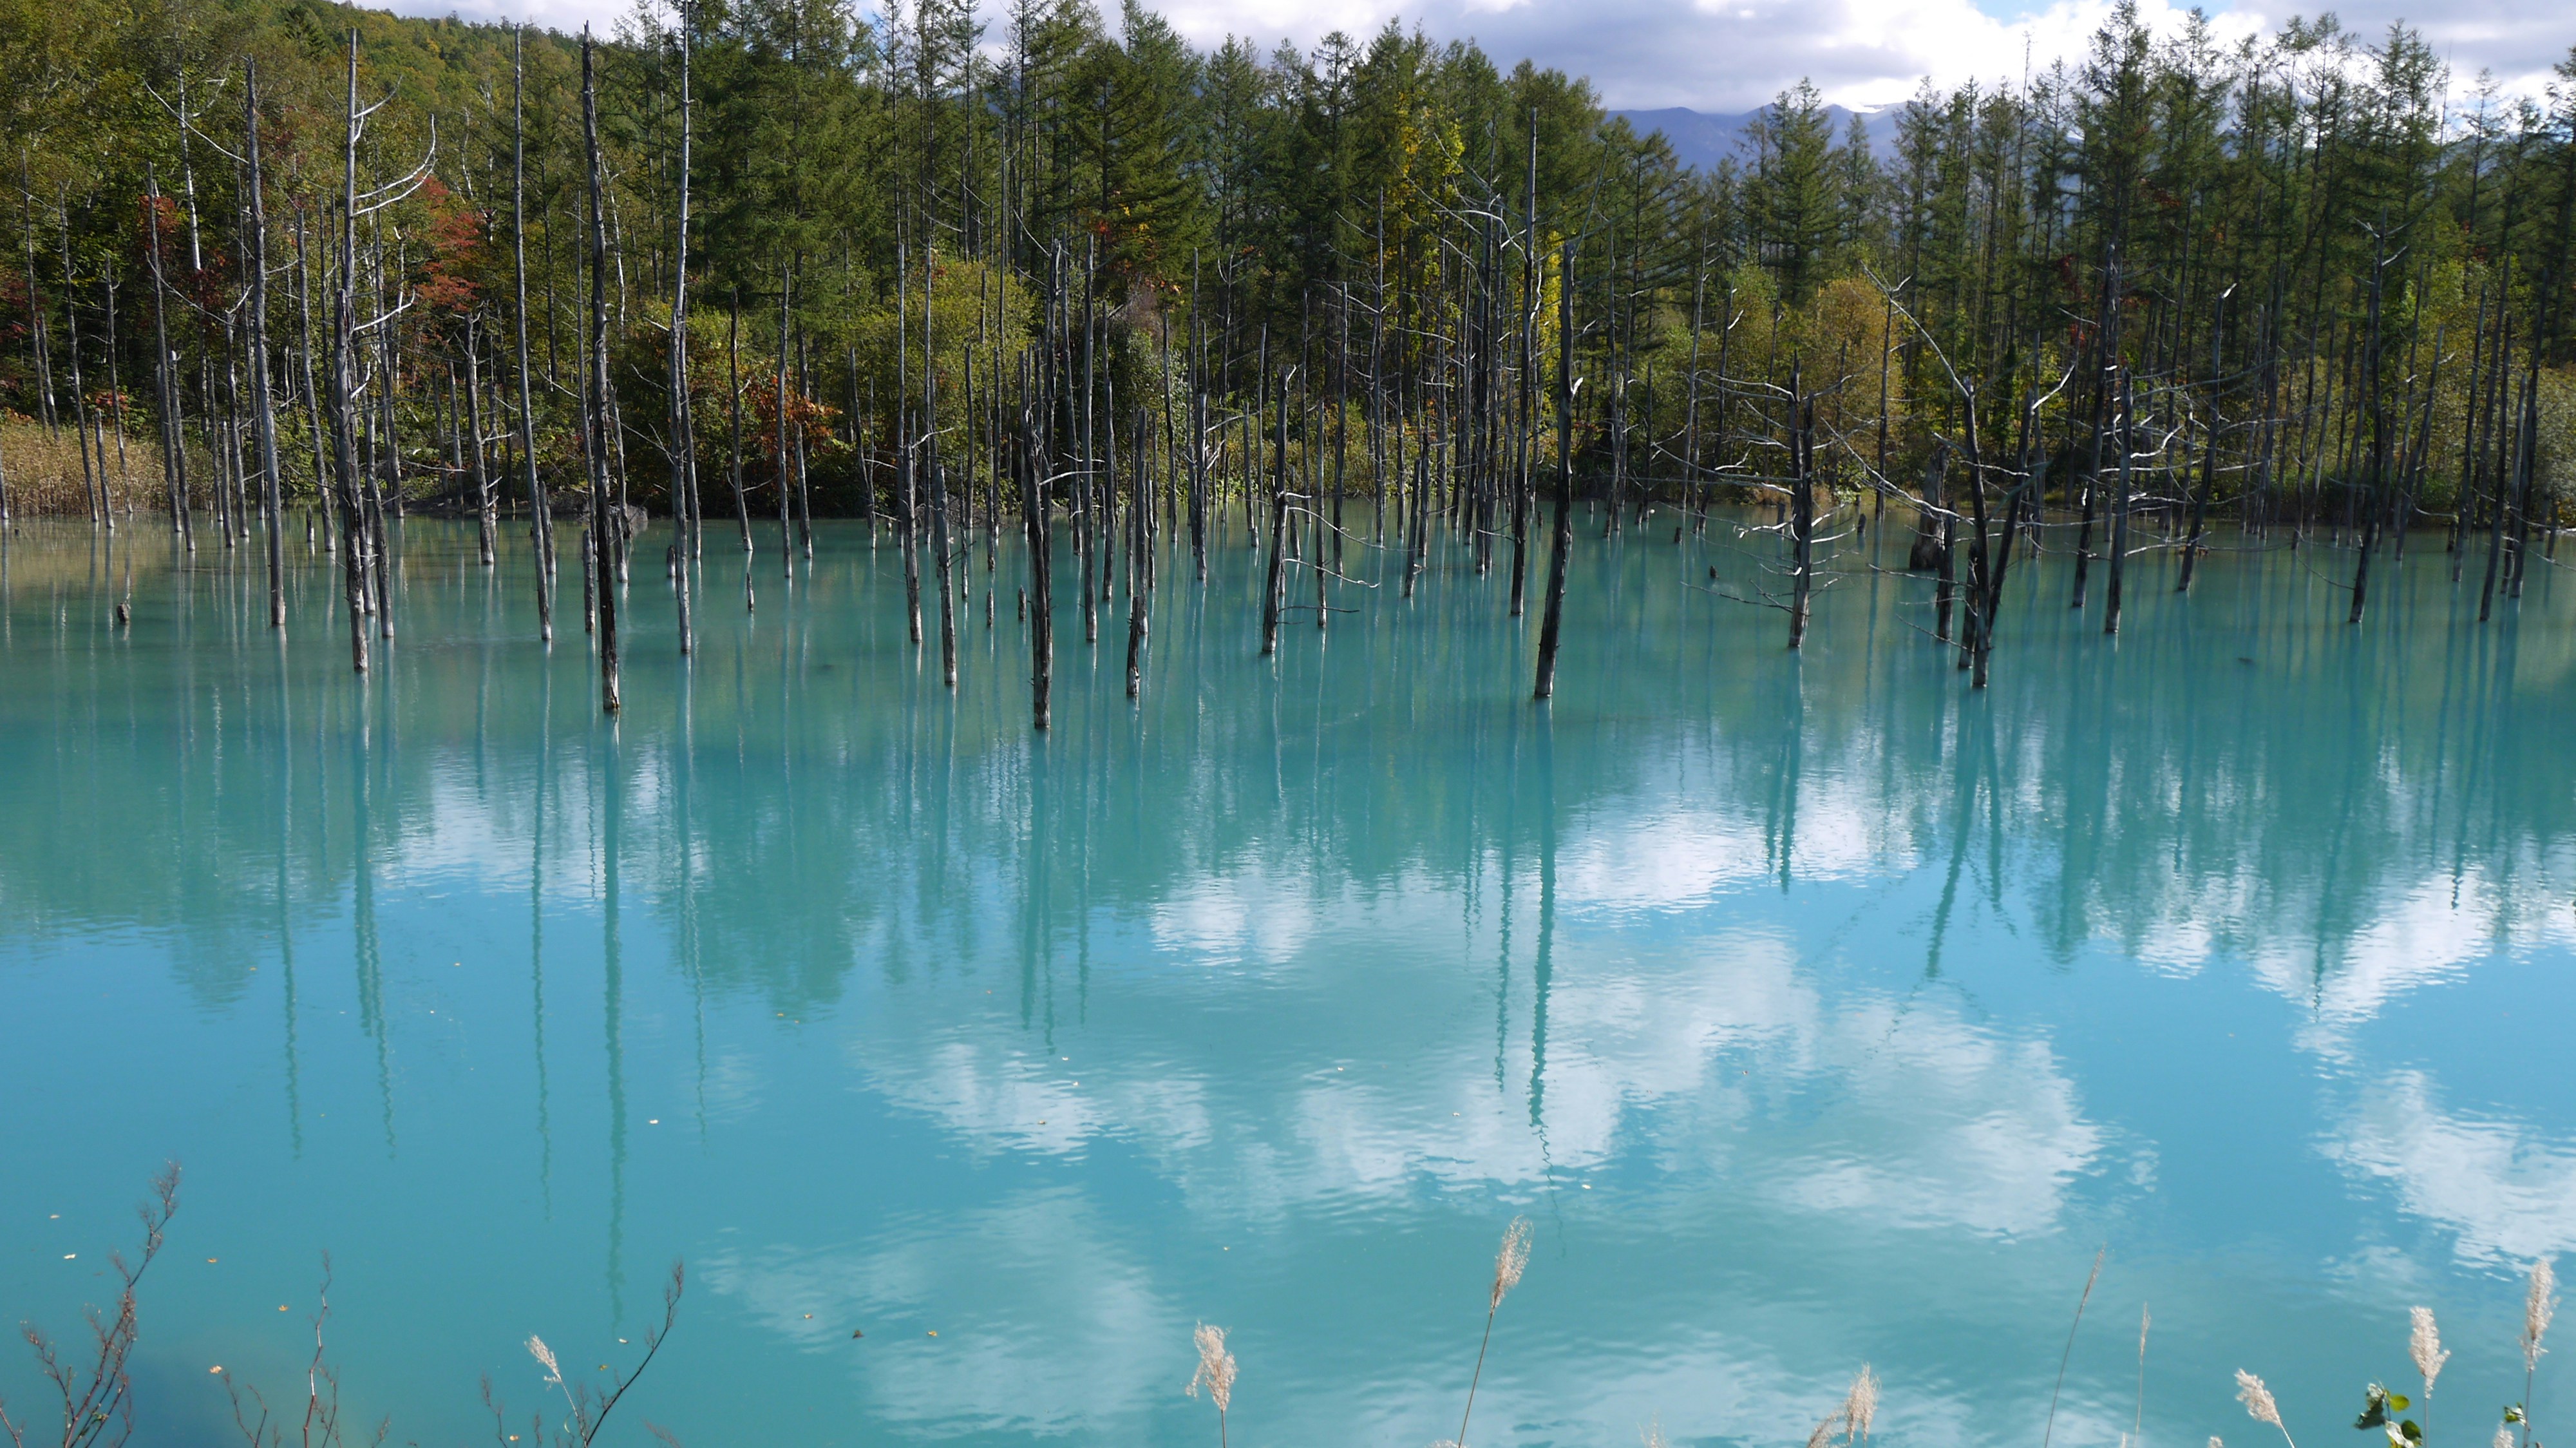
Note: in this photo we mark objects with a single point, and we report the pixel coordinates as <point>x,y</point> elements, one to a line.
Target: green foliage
<point>2215,220</point>
<point>2379,1409</point>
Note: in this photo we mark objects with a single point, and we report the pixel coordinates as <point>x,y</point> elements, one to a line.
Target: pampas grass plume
<point>2537,1309</point>
<point>2424,1345</point>
<point>2257,1399</point>
<point>1509,1263</point>
<point>1511,1260</point>
<point>1860,1405</point>
<point>2258,1403</point>
<point>1216,1367</point>
<point>1850,1421</point>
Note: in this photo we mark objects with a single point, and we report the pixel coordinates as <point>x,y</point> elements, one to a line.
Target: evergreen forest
<point>748,262</point>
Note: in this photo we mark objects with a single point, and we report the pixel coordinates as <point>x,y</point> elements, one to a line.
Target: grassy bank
<point>44,476</point>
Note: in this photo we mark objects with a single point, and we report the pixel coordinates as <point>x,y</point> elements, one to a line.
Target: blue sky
<point>1731,55</point>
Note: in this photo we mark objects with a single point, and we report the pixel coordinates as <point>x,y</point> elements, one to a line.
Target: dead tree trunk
<point>343,381</point>
<point>683,439</point>
<point>1274,589</point>
<point>786,495</point>
<point>486,524</point>
<point>1139,575</point>
<point>1802,504</point>
<point>1033,519</point>
<point>1552,620</point>
<point>603,543</point>
<point>2118,553</point>
<point>541,530</point>
<point>263,409</point>
<point>174,459</point>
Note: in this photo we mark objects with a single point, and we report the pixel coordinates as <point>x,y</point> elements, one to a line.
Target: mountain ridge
<point>1701,139</point>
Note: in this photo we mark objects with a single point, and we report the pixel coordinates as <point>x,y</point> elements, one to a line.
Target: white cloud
<point>1731,55</point>
<point>1038,1312</point>
<point>2506,1188</point>
<point>2418,937</point>
<point>1939,1122</point>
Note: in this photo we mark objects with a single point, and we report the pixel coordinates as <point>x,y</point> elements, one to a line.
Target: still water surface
<point>1815,1010</point>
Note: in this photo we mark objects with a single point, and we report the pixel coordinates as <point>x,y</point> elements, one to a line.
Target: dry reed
<point>2259,1404</point>
<point>1852,1420</point>
<point>1512,1260</point>
<point>2537,1308</point>
<point>2138,1427</point>
<point>587,1414</point>
<point>2424,1345</point>
<point>1509,1262</point>
<point>2048,1429</point>
<point>44,474</point>
<point>2381,1408</point>
<point>1216,1374</point>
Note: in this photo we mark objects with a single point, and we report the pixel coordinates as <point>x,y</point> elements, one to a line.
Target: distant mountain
<point>1700,139</point>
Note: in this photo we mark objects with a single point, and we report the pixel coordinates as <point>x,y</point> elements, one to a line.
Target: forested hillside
<point>2314,282</point>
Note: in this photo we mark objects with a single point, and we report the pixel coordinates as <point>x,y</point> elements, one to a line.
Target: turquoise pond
<point>1816,1010</point>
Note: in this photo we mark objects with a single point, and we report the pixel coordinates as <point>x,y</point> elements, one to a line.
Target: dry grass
<point>2424,1346</point>
<point>1850,1422</point>
<point>2538,1307</point>
<point>44,471</point>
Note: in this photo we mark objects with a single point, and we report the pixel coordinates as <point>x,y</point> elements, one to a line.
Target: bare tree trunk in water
<point>263,407</point>
<point>2119,550</point>
<point>1033,519</point>
<point>1935,534</point>
<point>2208,452</point>
<point>1274,589</point>
<point>1802,504</point>
<point>1992,574</point>
<point>174,461</point>
<point>93,479</point>
<point>947,589</point>
<point>541,522</point>
<point>1139,575</point>
<point>2084,529</point>
<point>1552,621</point>
<point>1198,429</point>
<point>733,384</point>
<point>343,361</point>
<point>603,543</point>
<point>938,476</point>
<point>684,446</point>
<point>2373,410</point>
<point>486,524</point>
<point>905,454</point>
<point>786,491</point>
